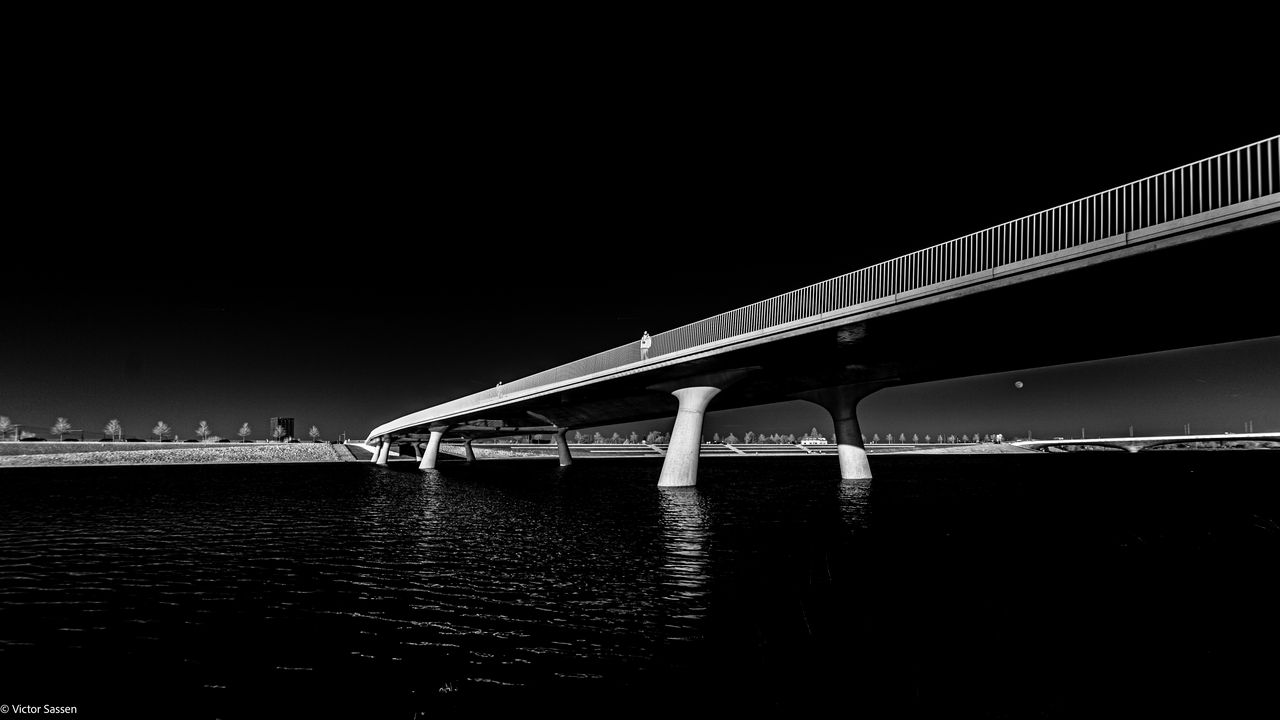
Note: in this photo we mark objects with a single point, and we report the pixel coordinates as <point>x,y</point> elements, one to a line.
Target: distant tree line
<point>940,438</point>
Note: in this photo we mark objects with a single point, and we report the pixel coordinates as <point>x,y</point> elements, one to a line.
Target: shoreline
<point>228,463</point>
<point>175,454</point>
<point>139,455</point>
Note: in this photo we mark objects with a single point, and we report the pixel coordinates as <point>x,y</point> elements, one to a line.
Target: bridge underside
<point>1166,295</point>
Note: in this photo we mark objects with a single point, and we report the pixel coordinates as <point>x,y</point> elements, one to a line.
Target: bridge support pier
<point>680,467</point>
<point>466,447</point>
<point>432,451</point>
<point>384,452</point>
<point>563,445</point>
<point>842,403</point>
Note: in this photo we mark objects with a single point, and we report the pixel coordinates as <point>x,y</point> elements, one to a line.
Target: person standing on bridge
<point>645,343</point>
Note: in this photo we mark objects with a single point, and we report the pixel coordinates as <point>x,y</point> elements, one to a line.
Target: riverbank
<point>68,454</point>
<point>516,451</point>
<point>981,449</point>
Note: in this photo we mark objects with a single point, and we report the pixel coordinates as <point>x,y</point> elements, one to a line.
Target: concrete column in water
<point>377,450</point>
<point>680,467</point>
<point>471,454</point>
<point>565,458</point>
<point>433,449</point>
<point>384,451</point>
<point>842,403</point>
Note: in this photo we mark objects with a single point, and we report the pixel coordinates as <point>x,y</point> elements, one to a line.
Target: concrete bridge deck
<point>1091,279</point>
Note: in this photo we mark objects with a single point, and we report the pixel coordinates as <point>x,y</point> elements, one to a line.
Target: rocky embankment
<point>189,455</point>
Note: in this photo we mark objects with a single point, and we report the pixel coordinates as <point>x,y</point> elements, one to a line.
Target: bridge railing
<point>1230,178</point>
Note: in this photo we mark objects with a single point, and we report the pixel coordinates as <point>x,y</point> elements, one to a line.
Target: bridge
<point>1137,444</point>
<point>1156,264</point>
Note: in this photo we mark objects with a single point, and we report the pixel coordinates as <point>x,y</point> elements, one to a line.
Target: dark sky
<point>345,249</point>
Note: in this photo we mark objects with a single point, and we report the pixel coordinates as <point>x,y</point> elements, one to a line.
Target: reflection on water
<point>685,540</point>
<point>855,502</point>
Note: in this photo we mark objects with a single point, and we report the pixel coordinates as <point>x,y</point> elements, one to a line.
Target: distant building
<point>815,439</point>
<point>285,422</point>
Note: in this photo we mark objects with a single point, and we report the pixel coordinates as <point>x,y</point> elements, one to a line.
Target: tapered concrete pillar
<point>433,449</point>
<point>565,458</point>
<point>680,468</point>
<point>471,454</point>
<point>854,464</point>
<point>384,452</point>
<point>842,403</point>
<point>377,450</point>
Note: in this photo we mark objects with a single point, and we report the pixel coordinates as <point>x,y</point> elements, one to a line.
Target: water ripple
<point>225,581</point>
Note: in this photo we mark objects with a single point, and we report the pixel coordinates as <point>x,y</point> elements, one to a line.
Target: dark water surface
<point>1079,585</point>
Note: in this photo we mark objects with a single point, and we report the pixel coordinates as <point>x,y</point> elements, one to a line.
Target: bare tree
<point>314,432</point>
<point>278,432</point>
<point>5,426</point>
<point>61,427</point>
<point>915,438</point>
<point>244,432</point>
<point>113,429</point>
<point>160,430</point>
<point>577,437</point>
<point>204,430</point>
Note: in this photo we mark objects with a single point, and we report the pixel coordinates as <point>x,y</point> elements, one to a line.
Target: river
<point>1065,585</point>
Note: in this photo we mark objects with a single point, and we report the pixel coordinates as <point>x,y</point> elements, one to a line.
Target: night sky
<point>345,252</point>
